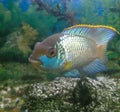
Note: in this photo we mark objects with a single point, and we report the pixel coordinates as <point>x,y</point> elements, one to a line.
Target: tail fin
<point>102,52</point>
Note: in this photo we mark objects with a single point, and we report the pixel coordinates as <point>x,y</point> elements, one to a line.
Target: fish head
<point>45,55</point>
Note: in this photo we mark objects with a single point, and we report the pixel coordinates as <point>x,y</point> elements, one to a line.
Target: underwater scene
<point>59,55</point>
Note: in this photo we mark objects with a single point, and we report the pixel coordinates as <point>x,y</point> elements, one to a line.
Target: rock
<point>3,92</point>
<point>57,87</point>
<point>74,95</point>
<point>7,100</point>
<point>17,101</point>
<point>1,105</point>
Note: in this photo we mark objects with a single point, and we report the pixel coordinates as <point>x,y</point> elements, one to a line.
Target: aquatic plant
<point>5,17</point>
<point>25,4</point>
<point>115,9</point>
<point>57,9</point>
<point>21,73</point>
<point>42,21</point>
<point>91,12</point>
<point>18,44</point>
<point>14,14</point>
<point>114,49</point>
<point>27,38</point>
<point>11,18</point>
<point>3,74</point>
<point>10,51</point>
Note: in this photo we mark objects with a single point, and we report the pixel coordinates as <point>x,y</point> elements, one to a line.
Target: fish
<point>77,51</point>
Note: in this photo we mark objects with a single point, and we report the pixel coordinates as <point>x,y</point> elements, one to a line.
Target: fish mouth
<point>37,64</point>
<point>34,61</point>
<point>31,59</point>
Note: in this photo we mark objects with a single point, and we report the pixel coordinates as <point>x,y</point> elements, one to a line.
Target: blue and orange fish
<point>78,50</point>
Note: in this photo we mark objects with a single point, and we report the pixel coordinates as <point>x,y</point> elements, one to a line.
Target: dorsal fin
<point>100,33</point>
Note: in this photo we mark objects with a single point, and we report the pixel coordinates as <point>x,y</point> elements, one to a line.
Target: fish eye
<point>51,52</point>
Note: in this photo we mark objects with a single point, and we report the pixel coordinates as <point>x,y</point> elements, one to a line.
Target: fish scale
<point>76,49</point>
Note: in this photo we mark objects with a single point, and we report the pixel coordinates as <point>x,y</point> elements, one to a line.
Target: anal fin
<point>73,73</point>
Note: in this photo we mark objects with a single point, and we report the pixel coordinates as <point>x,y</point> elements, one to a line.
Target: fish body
<point>76,51</point>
